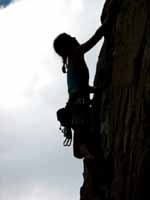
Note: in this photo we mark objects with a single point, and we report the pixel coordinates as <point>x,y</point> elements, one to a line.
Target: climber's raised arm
<point>85,47</point>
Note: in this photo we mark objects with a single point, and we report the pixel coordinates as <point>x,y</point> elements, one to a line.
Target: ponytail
<point>64,65</point>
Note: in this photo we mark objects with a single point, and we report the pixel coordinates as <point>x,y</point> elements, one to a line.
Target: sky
<point>34,165</point>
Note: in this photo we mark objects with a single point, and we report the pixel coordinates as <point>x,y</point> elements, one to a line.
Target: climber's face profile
<point>64,44</point>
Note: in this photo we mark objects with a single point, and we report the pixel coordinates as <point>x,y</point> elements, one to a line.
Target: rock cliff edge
<point>122,107</point>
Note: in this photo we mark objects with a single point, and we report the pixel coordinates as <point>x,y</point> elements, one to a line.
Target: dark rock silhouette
<point>122,108</point>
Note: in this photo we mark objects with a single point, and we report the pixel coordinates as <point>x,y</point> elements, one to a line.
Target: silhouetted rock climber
<point>77,107</point>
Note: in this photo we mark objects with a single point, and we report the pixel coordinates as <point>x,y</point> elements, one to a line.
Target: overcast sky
<point>33,163</point>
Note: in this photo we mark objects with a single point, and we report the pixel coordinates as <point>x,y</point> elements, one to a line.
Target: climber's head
<point>64,44</point>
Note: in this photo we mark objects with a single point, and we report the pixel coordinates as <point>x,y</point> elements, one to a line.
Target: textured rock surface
<point>122,108</point>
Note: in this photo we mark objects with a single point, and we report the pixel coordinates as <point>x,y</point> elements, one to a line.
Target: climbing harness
<point>72,117</point>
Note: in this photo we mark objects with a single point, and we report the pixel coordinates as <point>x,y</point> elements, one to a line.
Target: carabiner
<point>67,142</point>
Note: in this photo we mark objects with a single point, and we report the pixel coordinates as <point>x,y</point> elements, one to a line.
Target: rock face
<point>121,170</point>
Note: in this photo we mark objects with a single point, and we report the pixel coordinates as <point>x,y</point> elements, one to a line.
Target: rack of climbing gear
<point>68,136</point>
<point>65,125</point>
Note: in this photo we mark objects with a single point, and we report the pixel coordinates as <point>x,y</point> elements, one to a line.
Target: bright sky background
<point>33,163</point>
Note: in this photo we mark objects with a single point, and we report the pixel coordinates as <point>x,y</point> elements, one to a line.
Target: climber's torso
<point>77,75</point>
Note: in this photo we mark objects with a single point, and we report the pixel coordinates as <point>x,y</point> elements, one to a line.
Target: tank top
<point>77,79</point>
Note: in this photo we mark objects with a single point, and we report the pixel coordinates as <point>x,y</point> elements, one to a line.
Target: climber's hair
<point>63,43</point>
<point>59,47</point>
